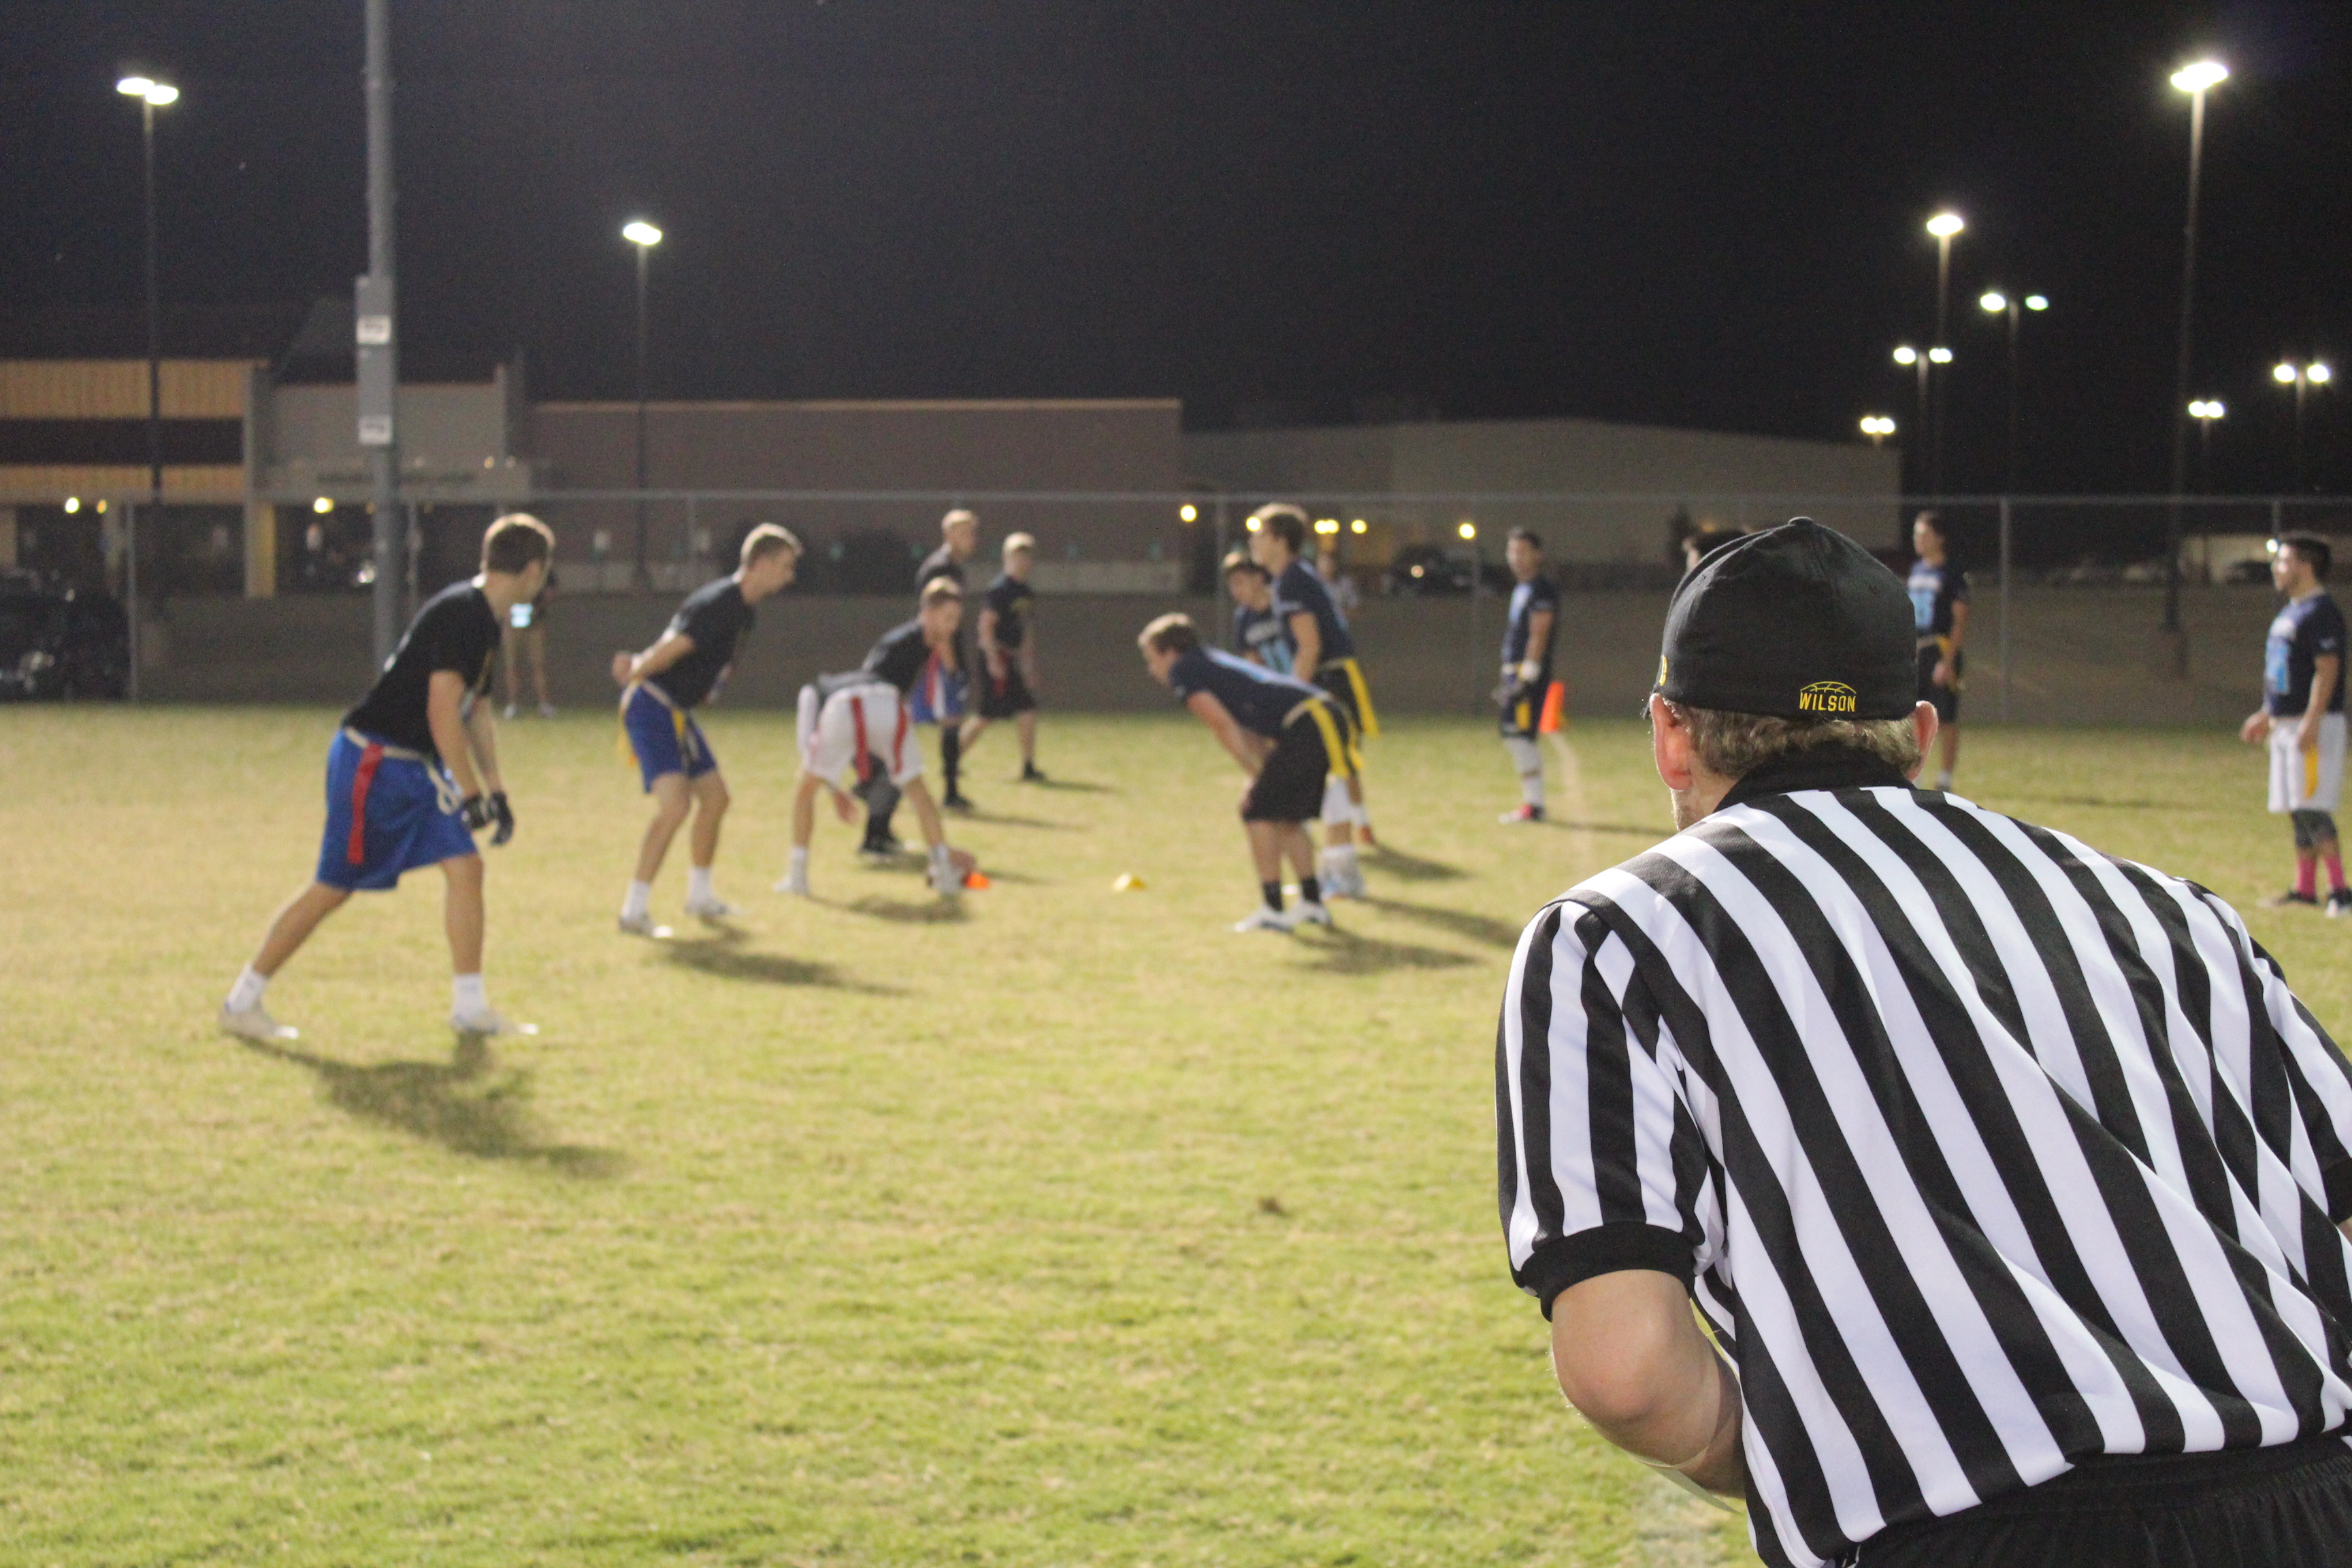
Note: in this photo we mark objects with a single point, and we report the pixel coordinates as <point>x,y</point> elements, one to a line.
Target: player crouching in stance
<point>660,689</point>
<point>413,770</point>
<point>859,725</point>
<point>1287,735</point>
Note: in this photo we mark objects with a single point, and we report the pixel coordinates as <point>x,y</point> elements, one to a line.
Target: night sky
<point>1682,214</point>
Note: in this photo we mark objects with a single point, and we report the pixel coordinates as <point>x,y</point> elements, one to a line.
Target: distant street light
<point>2194,81</point>
<point>1943,225</point>
<point>1878,427</point>
<point>1911,359</point>
<point>1357,526</point>
<point>2302,377</point>
<point>645,236</point>
<point>1188,512</point>
<point>151,95</point>
<point>1468,530</point>
<point>2205,411</point>
<point>1996,304</point>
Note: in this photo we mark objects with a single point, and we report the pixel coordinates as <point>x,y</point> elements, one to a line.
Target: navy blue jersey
<point>1298,588</point>
<point>1261,636</point>
<point>714,616</point>
<point>1535,595</point>
<point>1934,591</point>
<point>1258,699</point>
<point>2305,629</point>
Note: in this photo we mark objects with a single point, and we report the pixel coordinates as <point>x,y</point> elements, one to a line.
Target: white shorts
<point>2306,781</point>
<point>867,720</point>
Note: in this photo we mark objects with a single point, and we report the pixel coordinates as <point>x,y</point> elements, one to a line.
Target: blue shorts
<point>937,697</point>
<point>384,820</point>
<point>665,740</point>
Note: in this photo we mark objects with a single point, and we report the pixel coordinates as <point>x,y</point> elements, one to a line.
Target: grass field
<point>1060,1228</point>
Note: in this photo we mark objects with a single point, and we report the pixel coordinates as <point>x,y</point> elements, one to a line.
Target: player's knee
<point>715,798</point>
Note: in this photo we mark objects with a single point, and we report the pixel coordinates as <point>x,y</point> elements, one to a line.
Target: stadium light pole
<point>2205,410</point>
<point>151,95</point>
<point>2302,378</point>
<point>1997,303</point>
<point>645,236</point>
<point>1943,225</point>
<point>1912,360</point>
<point>1878,427</point>
<point>2195,81</point>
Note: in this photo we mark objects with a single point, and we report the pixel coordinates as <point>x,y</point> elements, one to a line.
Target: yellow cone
<point>1129,882</point>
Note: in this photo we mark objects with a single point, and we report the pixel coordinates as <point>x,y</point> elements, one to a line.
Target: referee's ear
<point>1670,746</point>
<point>1924,725</point>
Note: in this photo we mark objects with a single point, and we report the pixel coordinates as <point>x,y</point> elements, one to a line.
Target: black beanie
<point>1796,622</point>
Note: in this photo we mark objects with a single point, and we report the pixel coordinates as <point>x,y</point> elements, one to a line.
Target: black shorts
<point>1523,710</point>
<point>1946,698</point>
<point>1008,698</point>
<point>1289,788</point>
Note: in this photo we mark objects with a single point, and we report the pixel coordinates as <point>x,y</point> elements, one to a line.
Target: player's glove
<point>503,814</point>
<point>476,810</point>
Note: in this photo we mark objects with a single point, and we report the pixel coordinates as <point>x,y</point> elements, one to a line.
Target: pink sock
<point>2336,872</point>
<point>2306,875</point>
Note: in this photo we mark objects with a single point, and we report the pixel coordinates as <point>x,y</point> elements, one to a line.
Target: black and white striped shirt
<point>1983,1152</point>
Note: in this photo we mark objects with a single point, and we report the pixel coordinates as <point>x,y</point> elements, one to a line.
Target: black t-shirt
<point>1934,591</point>
<point>1536,593</point>
<point>715,616</point>
<point>2306,629</point>
<point>1010,597</point>
<point>939,563</point>
<point>457,630</point>
<point>901,656</point>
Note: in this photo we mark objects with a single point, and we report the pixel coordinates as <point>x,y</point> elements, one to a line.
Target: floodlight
<point>1188,512</point>
<point>637,231</point>
<point>323,505</point>
<point>1468,530</point>
<point>1326,525</point>
<point>1357,526</point>
<point>1943,225</point>
<point>134,87</point>
<point>2200,76</point>
<point>73,504</point>
<point>2317,375</point>
<point>2037,302</point>
<point>1251,524</point>
<point>1907,354</point>
<point>162,93</point>
<point>2284,374</point>
<point>1994,301</point>
<point>1940,354</point>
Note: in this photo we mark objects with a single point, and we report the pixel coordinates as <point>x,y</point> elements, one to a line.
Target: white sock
<point>639,902</point>
<point>800,860</point>
<point>1530,759</point>
<point>939,856</point>
<point>467,996</point>
<point>246,994</point>
<point>1339,857</point>
<point>698,886</point>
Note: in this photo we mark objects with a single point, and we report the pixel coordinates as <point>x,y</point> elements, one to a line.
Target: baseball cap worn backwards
<point>1796,622</point>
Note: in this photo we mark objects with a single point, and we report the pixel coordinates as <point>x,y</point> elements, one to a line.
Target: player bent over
<point>1322,650</point>
<point>412,769</point>
<point>1008,654</point>
<point>1527,668</point>
<point>2302,716</point>
<point>1285,734</point>
<point>661,688</point>
<point>860,721</point>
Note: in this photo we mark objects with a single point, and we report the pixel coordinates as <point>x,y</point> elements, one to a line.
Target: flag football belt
<point>685,746</point>
<point>1368,723</point>
<point>864,751</point>
<point>373,753</point>
<point>1343,757</point>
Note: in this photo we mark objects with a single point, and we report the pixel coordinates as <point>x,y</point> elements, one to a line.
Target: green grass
<point>1069,1229</point>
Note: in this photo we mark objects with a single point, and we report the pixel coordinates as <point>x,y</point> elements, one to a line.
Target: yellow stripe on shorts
<point>1367,722</point>
<point>1342,756</point>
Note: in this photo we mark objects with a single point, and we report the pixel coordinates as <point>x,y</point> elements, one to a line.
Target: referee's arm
<point>1601,1231</point>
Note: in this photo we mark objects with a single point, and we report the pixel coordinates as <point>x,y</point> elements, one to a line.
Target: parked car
<point>58,642</point>
<point>1423,569</point>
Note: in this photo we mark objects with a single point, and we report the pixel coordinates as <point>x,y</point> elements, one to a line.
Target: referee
<point>2006,1175</point>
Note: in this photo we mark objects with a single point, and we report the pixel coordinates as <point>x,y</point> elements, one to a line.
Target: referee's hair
<point>1286,521</point>
<point>766,540</point>
<point>1535,539</point>
<point>1172,634</point>
<point>938,590</point>
<point>513,542</point>
<point>1733,745</point>
<point>2312,550</point>
<point>1239,561</point>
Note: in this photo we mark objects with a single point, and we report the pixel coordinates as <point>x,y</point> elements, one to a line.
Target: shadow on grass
<point>1005,819</point>
<point>1412,867</point>
<point>1074,786</point>
<point>1345,953</point>
<point>723,955</point>
<point>1632,830</point>
<point>911,912</point>
<point>2106,805</point>
<point>1460,922</point>
<point>463,1106</point>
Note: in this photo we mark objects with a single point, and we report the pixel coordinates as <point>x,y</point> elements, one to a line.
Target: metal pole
<point>2299,378</point>
<point>130,589</point>
<point>2013,395</point>
<point>1477,666</point>
<point>391,537</point>
<point>2007,679</point>
<point>2180,387</point>
<point>154,316</point>
<point>1940,385</point>
<point>1225,601</point>
<point>643,582</point>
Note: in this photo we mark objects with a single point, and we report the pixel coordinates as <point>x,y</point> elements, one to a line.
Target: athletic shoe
<point>1339,883</point>
<point>488,1021</point>
<point>253,1024</point>
<point>957,801</point>
<point>711,910</point>
<point>2340,902</point>
<point>2290,899</point>
<point>1309,915</point>
<point>1519,814</point>
<point>796,882</point>
<point>946,881</point>
<point>1264,918</point>
<point>1032,773</point>
<point>547,710</point>
<point>643,925</point>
